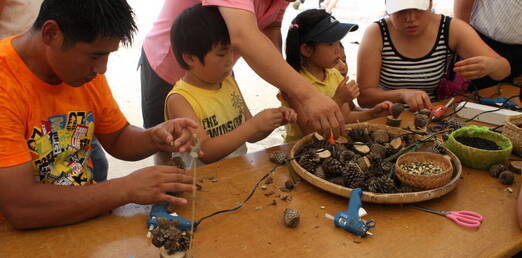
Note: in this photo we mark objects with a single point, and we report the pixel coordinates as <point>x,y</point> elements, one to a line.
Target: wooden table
<point>257,230</point>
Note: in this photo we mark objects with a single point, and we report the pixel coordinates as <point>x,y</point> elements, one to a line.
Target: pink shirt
<point>157,43</point>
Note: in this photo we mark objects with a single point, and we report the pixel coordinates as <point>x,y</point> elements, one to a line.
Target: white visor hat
<point>393,6</point>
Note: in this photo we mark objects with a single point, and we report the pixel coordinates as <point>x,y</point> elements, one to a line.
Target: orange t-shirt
<point>51,125</point>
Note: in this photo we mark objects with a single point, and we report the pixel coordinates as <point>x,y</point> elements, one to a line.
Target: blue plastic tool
<point>160,211</point>
<point>499,102</point>
<point>350,220</point>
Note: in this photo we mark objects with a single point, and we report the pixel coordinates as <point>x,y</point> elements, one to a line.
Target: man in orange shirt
<point>54,99</point>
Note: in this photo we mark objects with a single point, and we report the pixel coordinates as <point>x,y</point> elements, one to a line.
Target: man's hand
<point>151,184</point>
<point>174,135</point>
<point>324,114</point>
<point>416,99</point>
<point>346,92</point>
<point>475,67</point>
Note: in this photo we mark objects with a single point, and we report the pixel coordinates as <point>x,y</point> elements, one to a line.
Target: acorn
<point>507,178</point>
<point>291,217</point>
<point>397,109</point>
<point>278,157</point>
<point>496,169</point>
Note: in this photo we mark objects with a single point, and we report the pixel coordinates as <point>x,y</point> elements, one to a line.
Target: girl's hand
<point>382,109</point>
<point>475,67</point>
<point>346,92</point>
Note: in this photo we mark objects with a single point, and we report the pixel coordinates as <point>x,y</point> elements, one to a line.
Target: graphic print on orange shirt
<point>61,148</point>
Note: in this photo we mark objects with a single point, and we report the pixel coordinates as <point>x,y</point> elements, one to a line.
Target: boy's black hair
<point>196,31</point>
<point>301,25</point>
<point>86,20</point>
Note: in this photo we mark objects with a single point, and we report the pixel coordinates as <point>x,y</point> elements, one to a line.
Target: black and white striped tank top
<point>400,72</point>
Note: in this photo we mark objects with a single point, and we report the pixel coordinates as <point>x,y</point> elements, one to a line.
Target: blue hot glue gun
<point>160,211</point>
<point>350,220</point>
<point>497,102</point>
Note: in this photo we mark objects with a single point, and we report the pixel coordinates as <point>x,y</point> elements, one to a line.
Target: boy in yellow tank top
<point>209,94</point>
<point>313,49</point>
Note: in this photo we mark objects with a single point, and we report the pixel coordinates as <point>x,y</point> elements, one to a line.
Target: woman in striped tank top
<point>402,58</point>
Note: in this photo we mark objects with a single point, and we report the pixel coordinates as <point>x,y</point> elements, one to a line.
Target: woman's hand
<point>475,67</point>
<point>416,99</point>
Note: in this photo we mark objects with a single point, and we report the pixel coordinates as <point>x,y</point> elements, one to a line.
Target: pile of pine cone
<point>358,163</point>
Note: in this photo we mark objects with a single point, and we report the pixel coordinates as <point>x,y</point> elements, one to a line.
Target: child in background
<point>313,49</point>
<point>209,94</point>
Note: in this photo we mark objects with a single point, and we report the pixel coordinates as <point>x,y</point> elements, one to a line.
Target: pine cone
<point>397,109</point>
<point>381,184</point>
<point>438,148</point>
<point>278,157</point>
<point>380,136</point>
<point>360,135</point>
<point>455,123</point>
<point>377,152</point>
<point>353,175</point>
<point>319,172</point>
<point>496,169</point>
<point>291,217</point>
<point>346,156</point>
<point>309,161</point>
<point>332,167</point>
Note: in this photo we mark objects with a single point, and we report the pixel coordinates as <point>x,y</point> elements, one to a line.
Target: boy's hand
<point>346,92</point>
<point>289,115</point>
<point>174,135</point>
<point>268,119</point>
<point>382,109</point>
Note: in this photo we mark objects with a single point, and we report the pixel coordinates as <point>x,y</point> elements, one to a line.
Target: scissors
<point>467,219</point>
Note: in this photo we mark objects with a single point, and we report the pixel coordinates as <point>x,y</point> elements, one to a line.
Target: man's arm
<point>30,204</point>
<point>462,9</point>
<point>132,143</point>
<point>263,57</point>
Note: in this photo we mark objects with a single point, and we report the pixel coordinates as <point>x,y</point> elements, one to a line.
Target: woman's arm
<point>479,59</point>
<point>462,9</point>
<point>266,60</point>
<point>273,32</point>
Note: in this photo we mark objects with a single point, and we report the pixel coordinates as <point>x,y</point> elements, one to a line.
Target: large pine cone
<point>332,167</point>
<point>353,175</point>
<point>381,184</point>
<point>309,161</point>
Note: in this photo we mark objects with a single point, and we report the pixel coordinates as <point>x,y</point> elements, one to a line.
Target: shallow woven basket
<point>424,181</point>
<point>391,198</point>
<point>513,132</point>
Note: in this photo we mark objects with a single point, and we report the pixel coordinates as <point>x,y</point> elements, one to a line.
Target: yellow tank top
<point>328,87</point>
<point>219,111</point>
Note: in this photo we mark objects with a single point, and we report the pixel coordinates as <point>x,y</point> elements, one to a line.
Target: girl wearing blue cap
<point>313,48</point>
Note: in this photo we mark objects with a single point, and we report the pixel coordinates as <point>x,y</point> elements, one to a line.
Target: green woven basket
<point>479,158</point>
